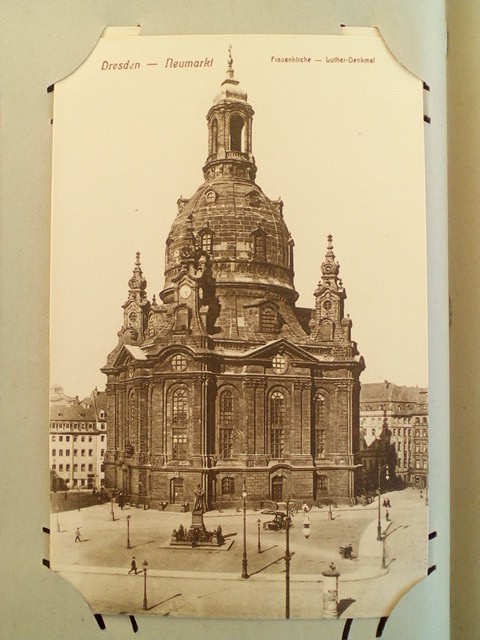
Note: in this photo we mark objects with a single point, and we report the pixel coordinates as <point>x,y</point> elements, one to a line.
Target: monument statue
<point>199,499</point>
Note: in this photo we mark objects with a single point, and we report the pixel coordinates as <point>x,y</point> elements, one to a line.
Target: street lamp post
<point>145,565</point>
<point>287,563</point>
<point>128,533</point>
<point>259,548</point>
<point>379,525</point>
<point>58,523</point>
<point>244,559</point>
<point>111,509</point>
<point>383,552</point>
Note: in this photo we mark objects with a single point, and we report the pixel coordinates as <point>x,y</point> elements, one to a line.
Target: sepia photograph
<point>230,434</point>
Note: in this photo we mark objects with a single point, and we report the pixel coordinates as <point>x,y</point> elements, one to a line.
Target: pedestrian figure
<point>388,503</point>
<point>387,516</point>
<point>121,501</point>
<point>77,535</point>
<point>133,566</point>
<point>385,502</point>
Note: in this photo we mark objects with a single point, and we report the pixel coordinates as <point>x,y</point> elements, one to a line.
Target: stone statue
<point>199,499</point>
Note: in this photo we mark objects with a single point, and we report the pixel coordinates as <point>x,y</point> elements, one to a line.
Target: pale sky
<point>341,143</point>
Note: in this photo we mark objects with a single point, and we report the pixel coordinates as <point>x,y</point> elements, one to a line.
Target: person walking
<point>133,566</point>
<point>77,535</point>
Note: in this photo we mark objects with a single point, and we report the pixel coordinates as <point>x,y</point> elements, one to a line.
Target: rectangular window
<point>319,442</point>
<point>67,438</point>
<point>226,443</point>
<point>228,486</point>
<point>54,466</point>
<point>60,438</point>
<point>82,482</point>
<point>67,452</point>
<point>277,443</point>
<point>75,467</point>
<point>83,452</point>
<point>67,467</point>
<point>179,444</point>
<point>75,452</point>
<point>90,452</point>
<point>90,467</point>
<point>102,453</point>
<point>90,438</point>
<point>74,482</point>
<point>53,438</point>
<point>54,452</point>
<point>83,438</point>
<point>82,467</point>
<point>60,467</point>
<point>102,438</point>
<point>60,452</point>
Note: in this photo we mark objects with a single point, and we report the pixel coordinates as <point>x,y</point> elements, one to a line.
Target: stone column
<point>330,592</point>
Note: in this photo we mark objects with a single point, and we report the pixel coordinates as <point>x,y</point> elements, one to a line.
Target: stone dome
<point>239,228</point>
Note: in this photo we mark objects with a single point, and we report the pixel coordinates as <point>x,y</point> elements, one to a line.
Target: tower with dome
<point>223,380</point>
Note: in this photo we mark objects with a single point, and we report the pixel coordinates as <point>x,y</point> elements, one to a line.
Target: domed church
<point>224,381</point>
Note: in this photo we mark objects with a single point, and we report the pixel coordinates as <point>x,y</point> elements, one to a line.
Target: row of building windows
<point>66,452</point>
<point>74,426</point>
<point>67,467</point>
<point>228,484</point>
<point>75,438</point>
<point>226,407</point>
<point>226,421</point>
<point>373,419</point>
<point>390,407</point>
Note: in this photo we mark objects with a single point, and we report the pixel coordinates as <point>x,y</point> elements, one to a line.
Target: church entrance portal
<point>277,489</point>
<point>176,490</point>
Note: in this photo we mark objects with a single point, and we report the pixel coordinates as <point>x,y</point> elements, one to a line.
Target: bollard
<point>306,526</point>
<point>330,592</point>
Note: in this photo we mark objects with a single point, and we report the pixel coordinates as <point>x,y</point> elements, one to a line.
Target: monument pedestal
<point>197,521</point>
<point>197,535</point>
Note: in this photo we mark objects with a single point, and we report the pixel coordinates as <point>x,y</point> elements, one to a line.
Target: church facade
<point>224,381</point>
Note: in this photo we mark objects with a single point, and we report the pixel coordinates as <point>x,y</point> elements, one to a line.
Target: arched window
<point>181,319</point>
<point>236,128</point>
<point>226,407</point>
<point>132,422</point>
<point>207,241</point>
<point>259,246</point>
<point>326,330</point>
<point>277,421</point>
<point>268,320</point>
<point>277,409</point>
<point>320,424</point>
<point>225,417</point>
<point>214,136</point>
<point>179,406</point>
<point>228,486</point>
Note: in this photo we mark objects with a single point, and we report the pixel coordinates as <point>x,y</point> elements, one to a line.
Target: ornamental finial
<point>230,62</point>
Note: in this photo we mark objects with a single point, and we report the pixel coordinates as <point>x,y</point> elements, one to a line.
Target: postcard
<point>239,393</point>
